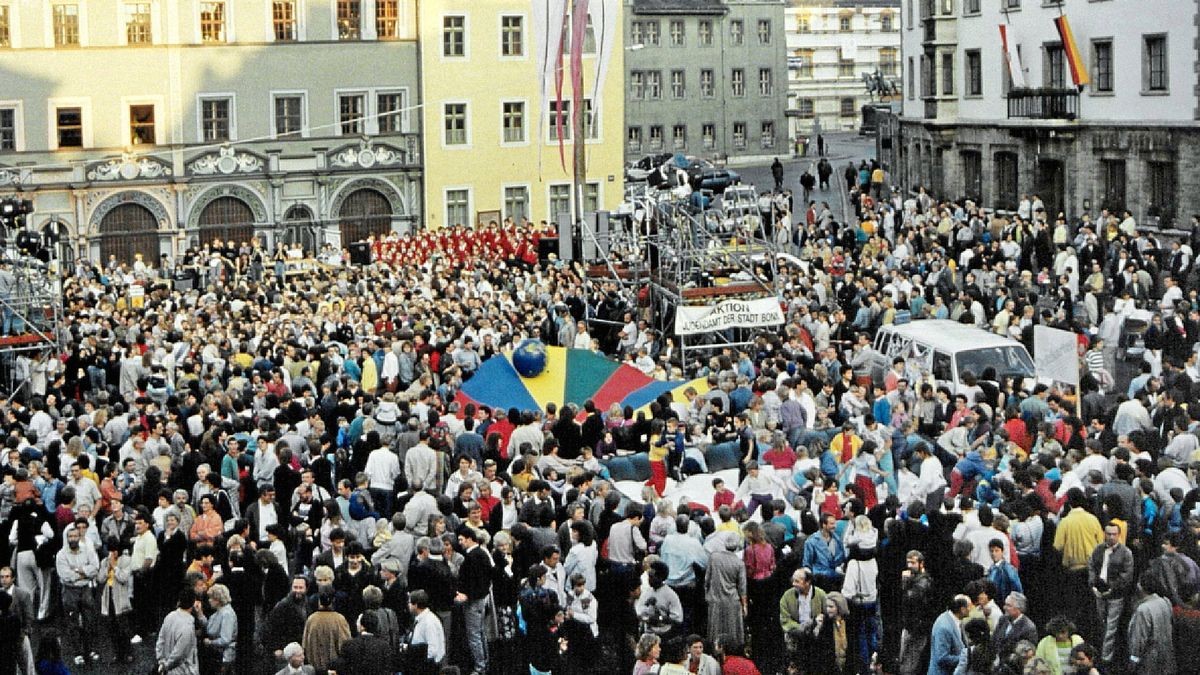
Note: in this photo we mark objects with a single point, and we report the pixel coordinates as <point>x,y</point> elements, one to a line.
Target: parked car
<point>640,169</point>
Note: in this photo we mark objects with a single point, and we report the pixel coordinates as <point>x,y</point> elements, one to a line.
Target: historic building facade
<point>1128,138</point>
<point>141,128</point>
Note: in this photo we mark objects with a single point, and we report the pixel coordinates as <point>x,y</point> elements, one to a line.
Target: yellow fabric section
<point>551,385</point>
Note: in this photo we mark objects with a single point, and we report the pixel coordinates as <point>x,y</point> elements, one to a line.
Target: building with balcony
<point>492,149</point>
<point>831,44</point>
<point>147,127</point>
<point>1126,139</point>
<point>705,77</point>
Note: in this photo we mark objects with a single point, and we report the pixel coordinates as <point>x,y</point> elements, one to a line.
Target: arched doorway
<point>127,230</point>
<point>363,213</point>
<point>228,219</point>
<point>298,229</point>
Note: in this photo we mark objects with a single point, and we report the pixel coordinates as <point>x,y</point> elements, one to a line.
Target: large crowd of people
<point>270,472</point>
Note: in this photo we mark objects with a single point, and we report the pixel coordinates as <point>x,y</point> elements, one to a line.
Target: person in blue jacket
<point>825,555</point>
<point>946,642</point>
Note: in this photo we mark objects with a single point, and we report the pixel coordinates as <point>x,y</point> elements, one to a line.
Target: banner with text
<point>728,314</point>
<point>1055,356</point>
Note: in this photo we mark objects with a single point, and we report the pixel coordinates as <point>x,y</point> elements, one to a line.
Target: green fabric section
<point>586,373</point>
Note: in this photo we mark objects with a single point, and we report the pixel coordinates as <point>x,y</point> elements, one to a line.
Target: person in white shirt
<point>931,481</point>
<point>427,628</point>
<point>383,468</point>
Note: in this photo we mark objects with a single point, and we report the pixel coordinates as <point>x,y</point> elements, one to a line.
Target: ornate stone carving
<point>114,200</point>
<point>129,167</point>
<point>225,162</point>
<point>366,154</point>
<point>250,197</point>
<point>13,176</point>
<point>383,187</point>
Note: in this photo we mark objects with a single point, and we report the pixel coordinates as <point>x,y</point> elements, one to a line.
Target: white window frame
<point>441,38</point>
<point>599,193</point>
<point>123,32</point>
<point>214,95</point>
<point>524,126</point>
<point>365,92</point>
<point>49,25</point>
<point>85,113</point>
<point>160,107</point>
<point>279,93</point>
<point>446,196</point>
<point>405,114</point>
<point>229,34</point>
<point>301,25</point>
<point>14,23</point>
<point>362,22</point>
<point>18,108</point>
<point>441,129</point>
<point>550,215</point>
<point>504,199</point>
<point>500,35</point>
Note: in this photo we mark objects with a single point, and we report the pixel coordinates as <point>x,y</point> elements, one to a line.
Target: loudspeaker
<point>546,246</point>
<point>566,237</point>
<point>360,253</point>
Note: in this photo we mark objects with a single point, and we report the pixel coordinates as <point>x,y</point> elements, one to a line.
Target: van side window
<point>941,367</point>
<point>881,342</point>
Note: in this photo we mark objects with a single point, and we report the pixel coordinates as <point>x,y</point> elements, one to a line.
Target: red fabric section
<point>624,380</point>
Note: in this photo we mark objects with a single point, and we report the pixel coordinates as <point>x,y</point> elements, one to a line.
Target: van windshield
<point>1011,361</point>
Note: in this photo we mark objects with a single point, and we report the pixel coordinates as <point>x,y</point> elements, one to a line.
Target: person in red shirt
<point>723,495</point>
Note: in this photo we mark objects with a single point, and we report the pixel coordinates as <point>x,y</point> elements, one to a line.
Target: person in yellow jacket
<point>1078,534</point>
<point>370,375</point>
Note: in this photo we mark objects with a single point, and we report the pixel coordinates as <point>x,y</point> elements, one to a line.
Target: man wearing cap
<point>474,588</point>
<point>263,513</point>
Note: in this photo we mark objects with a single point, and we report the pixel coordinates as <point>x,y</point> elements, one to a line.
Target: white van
<point>947,349</point>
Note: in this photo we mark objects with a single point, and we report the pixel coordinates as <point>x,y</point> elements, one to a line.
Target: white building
<point>831,44</point>
<point>1125,140</point>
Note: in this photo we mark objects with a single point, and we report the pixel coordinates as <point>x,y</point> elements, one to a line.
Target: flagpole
<point>580,169</point>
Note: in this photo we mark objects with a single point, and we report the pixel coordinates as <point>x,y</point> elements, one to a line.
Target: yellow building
<point>487,155</point>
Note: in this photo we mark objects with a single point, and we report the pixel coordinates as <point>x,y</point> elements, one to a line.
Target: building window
<point>1161,179</point>
<point>137,23</point>
<point>912,76</point>
<point>652,37</point>
<point>215,117</point>
<point>708,134</point>
<point>972,162</point>
<point>70,127</point>
<point>212,22</point>
<point>679,137</point>
<point>637,85</point>
<point>5,29</point>
<point>141,125</point>
<point>512,41</point>
<point>455,123</point>
<point>458,207</point>
<point>677,33</point>
<point>589,36</point>
<point>948,74</point>
<point>677,84</point>
<point>653,84</point>
<point>8,129</point>
<point>1112,184</point>
<point>389,108</point>
<point>66,25</point>
<point>928,77</point>
<point>1053,77</point>
<point>888,57</point>
<point>845,68</point>
<point>1154,63</point>
<point>590,128</point>
<point>349,19</point>
<point>283,20</point>
<point>887,22</point>
<point>560,118</point>
<point>352,112</point>
<point>560,201</point>
<point>1102,65</point>
<point>705,32</point>
<point>513,113</point>
<point>591,197</point>
<point>846,107</point>
<point>764,31</point>
<point>656,137</point>
<point>289,115</point>
<point>737,82</point>
<point>1012,4</point>
<point>387,19</point>
<point>1006,180</point>
<point>707,87</point>
<point>844,24</point>
<point>516,203</point>
<point>804,108</point>
<point>806,57</point>
<point>636,34</point>
<point>767,137</point>
<point>454,36</point>
<point>803,24</point>
<point>766,83</point>
<point>970,6</point>
<point>974,68</point>
<point>739,135</point>
<point>737,32</point>
<point>634,138</point>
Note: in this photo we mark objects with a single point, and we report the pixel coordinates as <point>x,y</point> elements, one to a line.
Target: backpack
<point>360,505</point>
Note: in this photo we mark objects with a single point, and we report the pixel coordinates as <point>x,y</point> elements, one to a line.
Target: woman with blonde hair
<point>220,640</point>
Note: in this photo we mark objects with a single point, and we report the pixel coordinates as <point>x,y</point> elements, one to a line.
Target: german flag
<point>1079,74</point>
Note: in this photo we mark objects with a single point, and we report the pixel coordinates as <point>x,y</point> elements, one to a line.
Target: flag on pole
<point>604,16</point>
<point>1079,74</point>
<point>579,20</point>
<point>548,17</point>
<point>1012,57</point>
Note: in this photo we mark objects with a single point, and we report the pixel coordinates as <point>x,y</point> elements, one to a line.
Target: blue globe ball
<point>529,358</point>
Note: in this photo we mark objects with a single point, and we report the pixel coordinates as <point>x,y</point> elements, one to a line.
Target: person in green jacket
<point>1055,648</point>
<point>798,609</point>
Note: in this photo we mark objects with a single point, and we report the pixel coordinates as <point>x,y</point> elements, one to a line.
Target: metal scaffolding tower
<point>31,299</point>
